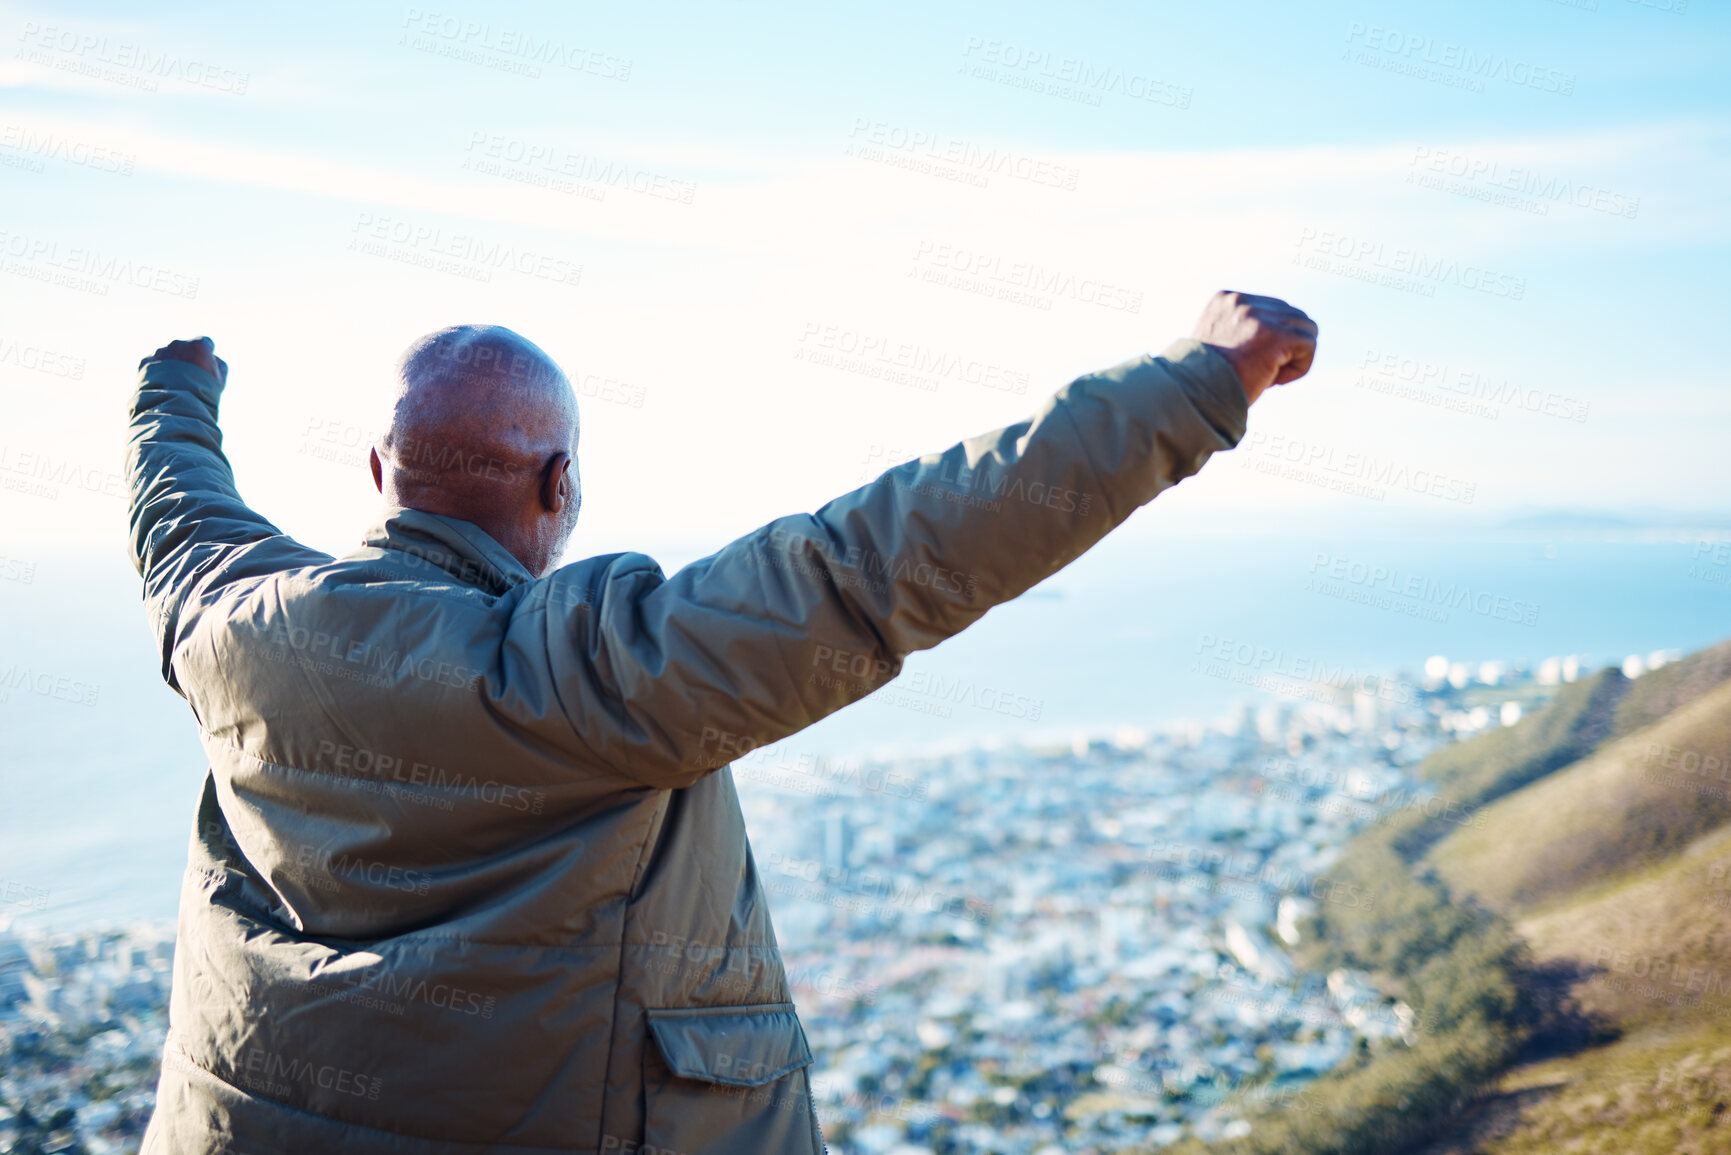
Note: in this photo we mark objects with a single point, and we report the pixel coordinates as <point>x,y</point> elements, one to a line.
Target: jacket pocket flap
<point>739,1046</point>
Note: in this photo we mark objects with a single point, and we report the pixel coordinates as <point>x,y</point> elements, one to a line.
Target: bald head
<point>484,428</point>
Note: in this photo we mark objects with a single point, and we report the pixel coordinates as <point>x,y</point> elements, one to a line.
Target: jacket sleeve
<point>190,531</point>
<point>668,679</point>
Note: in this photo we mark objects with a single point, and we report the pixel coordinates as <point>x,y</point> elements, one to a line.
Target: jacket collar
<point>460,548</point>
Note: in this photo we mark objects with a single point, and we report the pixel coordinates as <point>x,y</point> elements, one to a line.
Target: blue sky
<point>737,223</point>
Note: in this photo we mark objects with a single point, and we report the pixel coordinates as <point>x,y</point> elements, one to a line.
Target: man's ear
<point>378,470</point>
<point>554,492</point>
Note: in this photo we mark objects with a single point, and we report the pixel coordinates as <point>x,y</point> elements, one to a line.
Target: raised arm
<point>190,531</point>
<point>669,679</point>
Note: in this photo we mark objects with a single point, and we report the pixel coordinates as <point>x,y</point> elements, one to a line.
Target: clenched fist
<point>200,351</point>
<point>1268,341</point>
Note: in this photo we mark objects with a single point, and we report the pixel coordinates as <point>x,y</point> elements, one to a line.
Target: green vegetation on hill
<point>1479,996</point>
<point>1654,945</point>
<point>1617,870</point>
<point>1662,691</point>
<point>1483,769</point>
<point>1460,969</point>
<point>1634,803</point>
<point>1617,873</point>
<point>1649,1094</point>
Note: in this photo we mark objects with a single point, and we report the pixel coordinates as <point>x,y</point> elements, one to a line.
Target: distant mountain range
<point>1565,523</point>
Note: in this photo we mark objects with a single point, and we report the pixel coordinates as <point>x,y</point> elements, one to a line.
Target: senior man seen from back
<point>460,797</point>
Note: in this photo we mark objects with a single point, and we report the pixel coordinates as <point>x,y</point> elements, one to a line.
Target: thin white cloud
<point>790,198</point>
<point>706,302</point>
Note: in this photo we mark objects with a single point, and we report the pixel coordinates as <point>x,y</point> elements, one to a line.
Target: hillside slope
<point>1663,691</point>
<point>1461,969</point>
<point>1583,1002</point>
<point>1651,1093</point>
<point>1634,803</point>
<point>1617,875</point>
<point>1656,946</point>
<point>1484,768</point>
